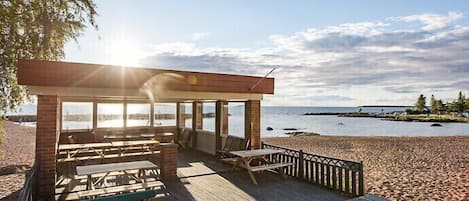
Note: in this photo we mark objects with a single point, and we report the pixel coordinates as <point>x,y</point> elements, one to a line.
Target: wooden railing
<point>27,193</point>
<point>337,174</point>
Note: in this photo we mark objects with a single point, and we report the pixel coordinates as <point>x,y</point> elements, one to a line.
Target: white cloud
<point>347,64</point>
<point>432,22</point>
<point>199,36</point>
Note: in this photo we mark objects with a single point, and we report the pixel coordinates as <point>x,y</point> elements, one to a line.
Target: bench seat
<point>108,190</point>
<point>270,166</point>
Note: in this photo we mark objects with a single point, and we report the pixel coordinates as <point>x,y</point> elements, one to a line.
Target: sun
<point>123,51</point>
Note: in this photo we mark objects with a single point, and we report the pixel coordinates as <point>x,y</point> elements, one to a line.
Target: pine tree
<point>460,104</point>
<point>420,104</point>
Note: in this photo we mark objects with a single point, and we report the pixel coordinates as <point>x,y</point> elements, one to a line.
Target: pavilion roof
<point>49,76</point>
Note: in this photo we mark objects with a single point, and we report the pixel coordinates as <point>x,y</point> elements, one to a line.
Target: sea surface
<point>280,118</point>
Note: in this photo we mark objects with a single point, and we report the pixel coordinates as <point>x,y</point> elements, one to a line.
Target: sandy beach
<point>399,168</point>
<point>18,156</point>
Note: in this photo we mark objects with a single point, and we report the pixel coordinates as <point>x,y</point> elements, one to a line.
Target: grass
<point>439,118</point>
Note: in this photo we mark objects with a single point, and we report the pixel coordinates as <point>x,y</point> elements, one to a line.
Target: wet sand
<point>18,156</point>
<point>399,168</point>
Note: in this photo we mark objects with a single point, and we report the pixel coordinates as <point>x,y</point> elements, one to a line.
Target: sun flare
<point>123,51</point>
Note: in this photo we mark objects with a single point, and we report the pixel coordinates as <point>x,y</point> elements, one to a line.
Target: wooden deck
<point>202,177</point>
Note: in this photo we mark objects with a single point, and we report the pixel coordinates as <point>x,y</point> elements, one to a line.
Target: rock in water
<point>290,129</point>
<point>436,125</point>
<point>269,128</point>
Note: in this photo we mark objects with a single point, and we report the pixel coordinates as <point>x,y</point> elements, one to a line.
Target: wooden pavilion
<point>55,83</point>
<point>194,174</point>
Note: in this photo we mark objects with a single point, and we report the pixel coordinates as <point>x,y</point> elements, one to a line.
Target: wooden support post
<point>195,119</point>
<point>95,115</point>
<point>225,118</point>
<point>252,116</point>
<point>219,115</point>
<point>125,115</point>
<point>180,119</point>
<point>152,115</point>
<point>199,117</point>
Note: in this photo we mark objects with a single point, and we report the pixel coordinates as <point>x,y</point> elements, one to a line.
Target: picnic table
<point>244,158</point>
<point>107,169</point>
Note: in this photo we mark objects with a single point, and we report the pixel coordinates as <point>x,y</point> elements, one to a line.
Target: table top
<point>111,167</point>
<point>84,146</point>
<point>140,135</point>
<point>133,143</point>
<point>256,152</point>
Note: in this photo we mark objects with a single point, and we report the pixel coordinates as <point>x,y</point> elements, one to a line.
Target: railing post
<point>361,182</point>
<point>301,174</point>
<point>262,144</point>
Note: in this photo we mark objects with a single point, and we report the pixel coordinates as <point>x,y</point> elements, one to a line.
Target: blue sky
<point>330,53</point>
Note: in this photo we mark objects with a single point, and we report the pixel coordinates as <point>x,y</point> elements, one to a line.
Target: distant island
<point>456,111</point>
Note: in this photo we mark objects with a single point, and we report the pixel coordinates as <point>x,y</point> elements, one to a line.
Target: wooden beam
<point>195,114</point>
<point>252,116</point>
<point>115,94</point>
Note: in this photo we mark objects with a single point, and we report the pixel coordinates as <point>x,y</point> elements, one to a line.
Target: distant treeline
<point>437,106</point>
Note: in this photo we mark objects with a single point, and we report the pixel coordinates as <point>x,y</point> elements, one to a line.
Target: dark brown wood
<point>361,182</point>
<point>328,175</point>
<point>194,124</point>
<point>67,74</point>
<point>219,113</point>
<point>354,183</point>
<point>316,174</point>
<point>341,179</point>
<point>347,181</point>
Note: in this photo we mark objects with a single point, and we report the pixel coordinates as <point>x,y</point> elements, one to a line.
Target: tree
<point>420,104</point>
<point>467,105</point>
<point>460,103</point>
<point>433,104</point>
<point>439,106</point>
<point>36,29</point>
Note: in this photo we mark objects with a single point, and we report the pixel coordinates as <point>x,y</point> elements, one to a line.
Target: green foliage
<point>2,137</point>
<point>460,104</point>
<point>412,111</point>
<point>36,29</point>
<point>420,104</point>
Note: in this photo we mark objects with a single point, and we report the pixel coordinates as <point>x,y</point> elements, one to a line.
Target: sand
<point>18,156</point>
<point>399,168</point>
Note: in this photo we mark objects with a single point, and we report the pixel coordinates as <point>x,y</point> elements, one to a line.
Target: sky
<point>327,53</point>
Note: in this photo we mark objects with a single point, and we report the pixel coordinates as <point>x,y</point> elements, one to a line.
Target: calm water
<point>291,117</point>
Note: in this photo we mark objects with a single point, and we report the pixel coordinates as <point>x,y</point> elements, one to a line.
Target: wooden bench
<point>270,166</point>
<point>109,190</point>
<point>135,196</point>
<point>84,158</point>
